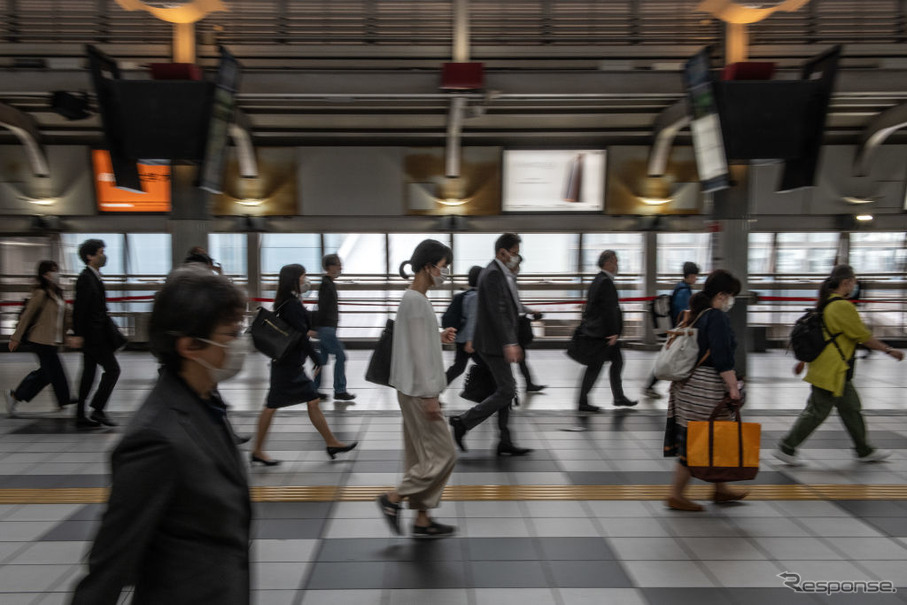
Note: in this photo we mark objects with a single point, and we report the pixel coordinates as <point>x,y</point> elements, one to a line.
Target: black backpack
<point>807,338</point>
<point>453,316</point>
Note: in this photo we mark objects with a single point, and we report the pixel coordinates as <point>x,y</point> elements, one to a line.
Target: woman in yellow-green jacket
<point>830,374</point>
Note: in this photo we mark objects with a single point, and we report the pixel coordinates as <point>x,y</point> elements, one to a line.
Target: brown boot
<point>731,496</point>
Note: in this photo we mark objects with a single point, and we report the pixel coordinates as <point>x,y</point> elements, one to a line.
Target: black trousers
<point>92,357</point>
<point>459,365</point>
<point>51,372</point>
<point>499,401</point>
<point>613,355</point>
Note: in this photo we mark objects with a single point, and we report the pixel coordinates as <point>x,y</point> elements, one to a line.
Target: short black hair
<point>690,268</point>
<point>193,302</point>
<point>90,247</point>
<point>329,260</point>
<point>473,278</point>
<point>507,241</point>
<point>428,252</point>
<point>197,255</point>
<point>605,257</point>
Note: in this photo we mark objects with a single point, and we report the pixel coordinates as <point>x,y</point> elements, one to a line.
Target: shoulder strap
<point>834,337</point>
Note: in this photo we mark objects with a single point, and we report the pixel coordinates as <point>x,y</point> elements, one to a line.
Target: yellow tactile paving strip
<point>328,493</point>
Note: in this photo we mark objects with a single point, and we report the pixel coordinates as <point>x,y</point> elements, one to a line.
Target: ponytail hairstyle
<point>288,283</point>
<point>48,266</point>
<point>833,282</point>
<point>428,252</point>
<point>718,282</point>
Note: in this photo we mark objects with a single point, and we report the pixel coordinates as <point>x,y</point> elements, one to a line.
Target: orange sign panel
<point>155,183</point>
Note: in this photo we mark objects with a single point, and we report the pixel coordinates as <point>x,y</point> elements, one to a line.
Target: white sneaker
<point>788,459</point>
<point>11,404</point>
<point>875,456</point>
<point>652,393</point>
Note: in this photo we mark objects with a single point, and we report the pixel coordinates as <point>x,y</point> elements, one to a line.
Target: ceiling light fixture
<point>858,200</point>
<point>41,201</point>
<point>656,201</point>
<point>250,202</point>
<point>864,217</point>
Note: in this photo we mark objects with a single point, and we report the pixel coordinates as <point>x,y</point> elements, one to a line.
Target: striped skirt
<point>693,399</point>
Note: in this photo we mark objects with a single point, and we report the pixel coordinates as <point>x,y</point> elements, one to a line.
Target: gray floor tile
<point>493,509</point>
<point>287,529</point>
<point>514,596</point>
<point>425,596</point>
<point>600,596</point>
<point>667,574</point>
<point>31,578</point>
<point>283,550</point>
<point>508,574</point>
<point>342,597</point>
<point>838,527</point>
<point>648,549</point>
<point>9,549</point>
<point>422,573</point>
<point>59,553</point>
<point>80,531</point>
<point>21,598</point>
<point>43,512</point>
<point>723,549</point>
<point>618,508</point>
<point>273,597</point>
<point>278,576</point>
<point>870,549</point>
<point>769,527</point>
<point>23,531</point>
<point>830,570</point>
<point>589,574</point>
<point>874,508</point>
<point>89,512</point>
<point>895,527</point>
<point>502,549</point>
<point>797,549</point>
<point>548,527</point>
<point>496,528</point>
<point>346,576</point>
<point>737,574</point>
<point>290,510</point>
<point>360,528</point>
<point>576,549</point>
<point>632,528</point>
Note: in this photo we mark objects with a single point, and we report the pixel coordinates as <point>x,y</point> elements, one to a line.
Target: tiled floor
<point>520,551</point>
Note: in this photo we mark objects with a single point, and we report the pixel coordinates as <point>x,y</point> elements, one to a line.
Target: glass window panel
<point>629,248</point>
<point>229,249</point>
<point>279,249</point>
<point>113,249</point>
<point>549,253</point>
<point>878,252</point>
<point>149,253</point>
<point>402,245</point>
<point>760,253</point>
<point>362,253</point>
<point>806,253</point>
<point>473,249</point>
<point>674,249</point>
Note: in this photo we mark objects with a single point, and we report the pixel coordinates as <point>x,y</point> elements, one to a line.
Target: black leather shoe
<point>535,388</point>
<point>240,439</point>
<point>344,396</point>
<point>459,431</point>
<point>323,396</point>
<point>333,451</point>
<point>265,461</point>
<point>508,449</point>
<point>83,422</point>
<point>624,402</point>
<point>588,407</point>
<point>102,418</point>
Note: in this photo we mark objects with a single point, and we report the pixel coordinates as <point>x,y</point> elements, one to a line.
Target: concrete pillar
<point>730,251</point>
<point>650,281</point>
<point>190,221</point>
<point>253,267</point>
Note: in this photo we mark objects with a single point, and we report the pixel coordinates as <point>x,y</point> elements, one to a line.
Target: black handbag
<point>524,336</point>
<point>116,338</point>
<point>583,348</point>
<point>379,366</point>
<point>273,336</point>
<point>479,383</point>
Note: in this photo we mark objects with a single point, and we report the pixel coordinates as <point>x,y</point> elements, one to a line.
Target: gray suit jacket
<point>177,522</point>
<point>496,312</point>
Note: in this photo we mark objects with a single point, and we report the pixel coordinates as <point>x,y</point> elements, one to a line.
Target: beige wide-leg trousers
<point>430,455</point>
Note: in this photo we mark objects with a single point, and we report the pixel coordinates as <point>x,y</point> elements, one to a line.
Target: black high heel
<point>333,451</point>
<point>270,462</point>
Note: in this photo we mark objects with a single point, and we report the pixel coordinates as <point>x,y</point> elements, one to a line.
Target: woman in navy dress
<point>290,384</point>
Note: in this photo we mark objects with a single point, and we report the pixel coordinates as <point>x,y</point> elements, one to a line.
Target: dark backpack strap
<point>834,337</point>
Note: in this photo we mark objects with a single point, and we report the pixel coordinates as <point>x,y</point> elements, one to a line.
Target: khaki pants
<point>817,410</point>
<point>430,455</point>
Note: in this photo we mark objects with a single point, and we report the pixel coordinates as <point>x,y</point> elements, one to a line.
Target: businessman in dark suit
<point>177,521</point>
<point>495,340</point>
<point>100,335</point>
<point>603,319</point>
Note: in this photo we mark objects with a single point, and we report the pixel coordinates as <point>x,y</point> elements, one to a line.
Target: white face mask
<point>233,360</point>
<point>54,277</point>
<point>305,287</point>
<point>513,262</point>
<point>438,280</point>
<point>728,304</point>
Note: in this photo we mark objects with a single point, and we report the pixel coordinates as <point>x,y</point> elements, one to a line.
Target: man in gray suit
<point>495,341</point>
<point>177,522</point>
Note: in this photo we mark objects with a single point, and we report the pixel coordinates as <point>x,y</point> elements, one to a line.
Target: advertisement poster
<point>155,180</point>
<point>554,180</point>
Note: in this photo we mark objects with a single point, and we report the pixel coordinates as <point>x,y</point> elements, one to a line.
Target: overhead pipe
<point>457,104</point>
<point>26,130</point>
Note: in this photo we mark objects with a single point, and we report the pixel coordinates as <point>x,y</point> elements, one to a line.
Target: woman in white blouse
<point>417,372</point>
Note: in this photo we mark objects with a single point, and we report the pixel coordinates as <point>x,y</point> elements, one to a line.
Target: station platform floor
<point>580,520</point>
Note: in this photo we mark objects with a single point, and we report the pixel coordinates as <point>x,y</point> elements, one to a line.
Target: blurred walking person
<point>290,384</point>
<point>417,372</point>
<point>43,323</point>
<point>327,320</point>
<point>467,326</point>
